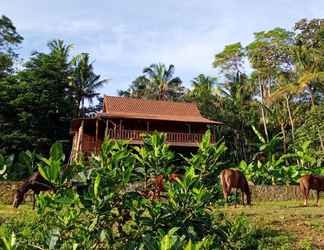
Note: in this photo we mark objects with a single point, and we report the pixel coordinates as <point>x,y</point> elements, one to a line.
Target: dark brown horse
<point>308,182</point>
<point>36,183</point>
<point>234,178</point>
<point>158,185</point>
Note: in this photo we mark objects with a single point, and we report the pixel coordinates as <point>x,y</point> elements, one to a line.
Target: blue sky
<point>125,36</point>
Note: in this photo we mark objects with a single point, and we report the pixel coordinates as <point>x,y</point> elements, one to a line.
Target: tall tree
<point>269,55</point>
<point>85,83</point>
<point>157,82</point>
<point>203,92</point>
<point>37,102</point>
<point>9,40</point>
<point>230,61</point>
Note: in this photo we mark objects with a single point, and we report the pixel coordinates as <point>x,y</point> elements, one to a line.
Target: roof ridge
<point>151,100</point>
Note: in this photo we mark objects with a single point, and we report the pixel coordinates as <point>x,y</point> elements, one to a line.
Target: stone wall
<point>281,193</point>
<point>259,193</point>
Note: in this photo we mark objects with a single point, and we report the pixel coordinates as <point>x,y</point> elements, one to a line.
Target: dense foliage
<point>95,206</point>
<point>39,99</point>
<point>273,85</point>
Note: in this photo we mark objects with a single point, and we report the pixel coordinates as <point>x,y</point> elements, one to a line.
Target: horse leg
<point>317,198</point>
<point>306,196</point>
<point>305,191</point>
<point>33,200</point>
<point>242,195</point>
<point>225,191</point>
<point>235,202</point>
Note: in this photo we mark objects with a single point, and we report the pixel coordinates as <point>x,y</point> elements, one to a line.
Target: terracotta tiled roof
<point>124,107</point>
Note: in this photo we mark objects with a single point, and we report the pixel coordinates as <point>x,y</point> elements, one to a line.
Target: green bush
<point>92,209</point>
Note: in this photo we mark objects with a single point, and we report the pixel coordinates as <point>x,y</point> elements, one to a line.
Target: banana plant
<point>267,146</point>
<point>207,160</point>
<point>50,168</point>
<point>304,155</point>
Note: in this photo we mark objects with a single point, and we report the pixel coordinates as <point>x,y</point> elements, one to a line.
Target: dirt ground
<point>304,224</point>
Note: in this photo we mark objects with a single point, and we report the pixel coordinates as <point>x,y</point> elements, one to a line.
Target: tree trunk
<point>284,142</point>
<point>262,111</point>
<point>290,119</point>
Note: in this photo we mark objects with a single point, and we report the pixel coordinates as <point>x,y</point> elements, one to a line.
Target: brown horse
<point>36,183</point>
<point>234,178</point>
<point>308,182</point>
<point>158,185</point>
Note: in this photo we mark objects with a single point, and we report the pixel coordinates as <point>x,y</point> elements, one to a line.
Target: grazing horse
<point>308,182</point>
<point>158,185</point>
<point>234,178</point>
<point>36,183</point>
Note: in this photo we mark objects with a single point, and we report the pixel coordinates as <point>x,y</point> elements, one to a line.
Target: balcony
<point>172,138</point>
<point>136,138</point>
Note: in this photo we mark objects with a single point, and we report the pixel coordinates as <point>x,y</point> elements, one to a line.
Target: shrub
<point>92,208</point>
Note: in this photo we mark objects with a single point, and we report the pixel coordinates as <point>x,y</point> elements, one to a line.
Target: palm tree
<point>138,88</point>
<point>202,86</point>
<point>60,48</point>
<point>162,85</point>
<point>84,82</point>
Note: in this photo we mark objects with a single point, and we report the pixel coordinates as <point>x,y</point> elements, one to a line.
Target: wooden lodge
<point>128,119</point>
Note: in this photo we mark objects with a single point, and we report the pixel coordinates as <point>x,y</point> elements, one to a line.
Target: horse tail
<point>302,186</point>
<point>223,183</point>
<point>222,179</point>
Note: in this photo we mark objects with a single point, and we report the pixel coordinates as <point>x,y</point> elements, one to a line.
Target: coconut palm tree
<point>138,88</point>
<point>162,85</point>
<point>84,82</point>
<point>60,48</point>
<point>157,83</point>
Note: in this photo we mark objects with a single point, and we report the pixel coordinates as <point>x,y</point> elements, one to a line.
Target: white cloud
<point>125,36</point>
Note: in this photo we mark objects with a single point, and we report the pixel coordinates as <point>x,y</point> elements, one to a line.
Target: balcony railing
<point>173,138</point>
<point>89,143</point>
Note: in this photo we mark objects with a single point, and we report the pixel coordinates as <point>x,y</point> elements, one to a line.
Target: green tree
<point>37,102</point>
<point>85,82</point>
<point>269,54</point>
<point>9,40</point>
<point>158,83</point>
<point>203,93</point>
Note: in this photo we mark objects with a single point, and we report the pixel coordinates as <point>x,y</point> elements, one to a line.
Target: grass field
<point>303,226</point>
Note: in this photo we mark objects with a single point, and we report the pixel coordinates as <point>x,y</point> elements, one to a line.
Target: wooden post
<point>120,128</point>
<point>79,141</point>
<point>97,131</point>
<point>106,129</point>
<point>73,149</point>
<point>81,135</point>
<point>147,126</point>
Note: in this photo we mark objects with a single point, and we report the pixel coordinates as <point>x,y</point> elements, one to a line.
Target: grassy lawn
<point>6,211</point>
<point>304,224</point>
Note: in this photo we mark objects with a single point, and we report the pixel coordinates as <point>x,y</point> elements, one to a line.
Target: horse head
<point>18,199</point>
